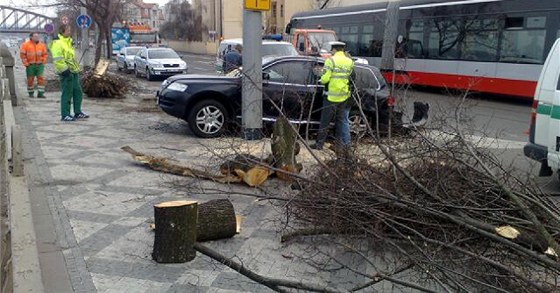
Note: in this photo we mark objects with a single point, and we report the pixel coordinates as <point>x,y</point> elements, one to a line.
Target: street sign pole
<point>252,102</point>
<point>85,41</point>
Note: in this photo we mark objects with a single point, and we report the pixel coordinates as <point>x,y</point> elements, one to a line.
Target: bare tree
<point>185,23</point>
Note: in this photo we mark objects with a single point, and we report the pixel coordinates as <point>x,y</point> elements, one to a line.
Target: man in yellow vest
<point>68,68</point>
<point>336,77</point>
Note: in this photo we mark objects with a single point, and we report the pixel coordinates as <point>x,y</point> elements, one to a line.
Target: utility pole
<point>251,102</point>
<point>390,35</point>
<point>85,41</point>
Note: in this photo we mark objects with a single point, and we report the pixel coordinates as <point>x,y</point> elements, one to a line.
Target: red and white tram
<point>491,46</point>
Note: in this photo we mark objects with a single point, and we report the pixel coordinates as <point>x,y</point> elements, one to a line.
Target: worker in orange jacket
<point>33,54</point>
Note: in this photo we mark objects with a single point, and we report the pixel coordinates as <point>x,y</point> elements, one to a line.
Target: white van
<point>544,134</point>
<point>269,48</point>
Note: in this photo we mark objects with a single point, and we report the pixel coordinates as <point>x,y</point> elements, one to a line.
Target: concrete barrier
<point>205,48</point>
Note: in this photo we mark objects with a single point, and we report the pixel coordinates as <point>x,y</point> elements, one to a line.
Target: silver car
<point>158,62</point>
<point>125,58</point>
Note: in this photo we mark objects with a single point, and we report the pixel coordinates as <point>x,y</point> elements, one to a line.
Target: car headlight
<point>177,86</point>
<point>183,64</point>
<point>163,85</point>
<point>155,64</point>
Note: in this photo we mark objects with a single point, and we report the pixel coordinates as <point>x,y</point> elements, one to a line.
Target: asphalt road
<point>504,120</point>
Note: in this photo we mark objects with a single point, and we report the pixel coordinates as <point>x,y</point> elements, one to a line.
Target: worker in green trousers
<point>68,68</point>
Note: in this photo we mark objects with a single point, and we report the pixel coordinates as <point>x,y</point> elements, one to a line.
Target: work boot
<point>81,115</point>
<point>41,96</point>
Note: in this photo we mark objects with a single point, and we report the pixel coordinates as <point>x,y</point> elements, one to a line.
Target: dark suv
<point>290,86</point>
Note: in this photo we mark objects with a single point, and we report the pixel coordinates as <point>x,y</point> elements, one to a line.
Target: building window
<point>274,9</point>
<point>281,10</point>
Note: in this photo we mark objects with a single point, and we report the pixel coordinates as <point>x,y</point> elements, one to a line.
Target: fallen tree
<point>451,209</point>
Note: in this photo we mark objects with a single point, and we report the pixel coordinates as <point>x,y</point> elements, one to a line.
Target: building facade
<point>140,14</point>
<point>224,18</point>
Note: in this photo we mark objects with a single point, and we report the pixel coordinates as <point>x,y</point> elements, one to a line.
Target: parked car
<point>269,49</point>
<point>210,103</point>
<point>158,62</point>
<point>125,58</point>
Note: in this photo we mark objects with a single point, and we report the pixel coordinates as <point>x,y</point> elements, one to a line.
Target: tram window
<point>349,35</point>
<point>413,44</point>
<point>444,40</point>
<point>481,40</point>
<point>536,22</point>
<point>525,44</point>
<point>368,45</point>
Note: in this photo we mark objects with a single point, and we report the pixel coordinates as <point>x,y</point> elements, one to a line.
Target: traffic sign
<point>65,19</point>
<point>49,28</point>
<point>260,5</point>
<point>83,21</point>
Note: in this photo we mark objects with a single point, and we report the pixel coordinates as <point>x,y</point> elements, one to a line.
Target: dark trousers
<point>340,111</point>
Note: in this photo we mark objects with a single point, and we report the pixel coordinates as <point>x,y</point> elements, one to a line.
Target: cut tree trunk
<point>285,147</point>
<point>252,170</point>
<point>176,229</point>
<point>216,220</point>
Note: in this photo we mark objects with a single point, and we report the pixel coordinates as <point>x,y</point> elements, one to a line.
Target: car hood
<point>167,61</point>
<point>200,77</point>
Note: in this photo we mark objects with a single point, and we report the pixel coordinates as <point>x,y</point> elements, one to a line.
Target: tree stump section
<point>285,147</point>
<point>216,220</point>
<point>175,233</point>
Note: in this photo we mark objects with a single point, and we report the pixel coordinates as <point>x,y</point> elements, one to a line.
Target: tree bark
<point>176,228</point>
<point>216,220</point>
<point>285,147</point>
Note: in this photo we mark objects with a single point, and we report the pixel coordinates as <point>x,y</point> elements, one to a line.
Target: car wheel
<point>149,76</point>
<point>358,125</point>
<point>125,68</point>
<point>208,119</point>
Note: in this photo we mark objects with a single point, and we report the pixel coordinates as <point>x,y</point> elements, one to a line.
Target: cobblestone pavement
<point>100,203</point>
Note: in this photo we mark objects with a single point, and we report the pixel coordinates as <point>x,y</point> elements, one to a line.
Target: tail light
<point>533,121</point>
<point>391,101</point>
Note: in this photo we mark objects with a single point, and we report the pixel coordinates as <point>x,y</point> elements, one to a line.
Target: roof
<point>264,42</point>
<point>142,4</point>
<point>380,6</point>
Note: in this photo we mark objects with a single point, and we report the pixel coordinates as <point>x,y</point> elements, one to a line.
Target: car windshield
<point>162,54</point>
<point>132,51</point>
<point>276,49</point>
<point>319,40</point>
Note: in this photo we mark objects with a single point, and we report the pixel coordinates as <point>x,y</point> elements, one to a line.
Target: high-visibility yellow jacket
<point>31,53</point>
<point>338,69</point>
<point>63,55</point>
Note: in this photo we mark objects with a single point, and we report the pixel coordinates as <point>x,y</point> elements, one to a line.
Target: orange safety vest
<point>31,53</point>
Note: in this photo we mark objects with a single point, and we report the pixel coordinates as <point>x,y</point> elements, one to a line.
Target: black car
<point>290,85</point>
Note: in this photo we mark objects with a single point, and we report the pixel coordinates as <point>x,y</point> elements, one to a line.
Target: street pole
<point>85,42</point>
<point>389,45</point>
<point>251,102</point>
<point>390,35</point>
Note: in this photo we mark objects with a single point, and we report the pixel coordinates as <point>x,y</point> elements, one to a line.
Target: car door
<point>287,89</point>
<point>121,58</point>
<point>143,60</point>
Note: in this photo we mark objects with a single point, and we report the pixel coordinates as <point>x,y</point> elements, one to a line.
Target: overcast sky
<point>28,5</point>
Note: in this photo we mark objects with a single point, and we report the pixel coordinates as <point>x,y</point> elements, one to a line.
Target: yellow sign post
<point>259,5</point>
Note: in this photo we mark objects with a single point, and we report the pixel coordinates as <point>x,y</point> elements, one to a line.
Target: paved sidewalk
<point>93,204</point>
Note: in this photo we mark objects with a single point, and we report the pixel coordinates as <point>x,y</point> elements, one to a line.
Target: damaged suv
<point>290,87</point>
